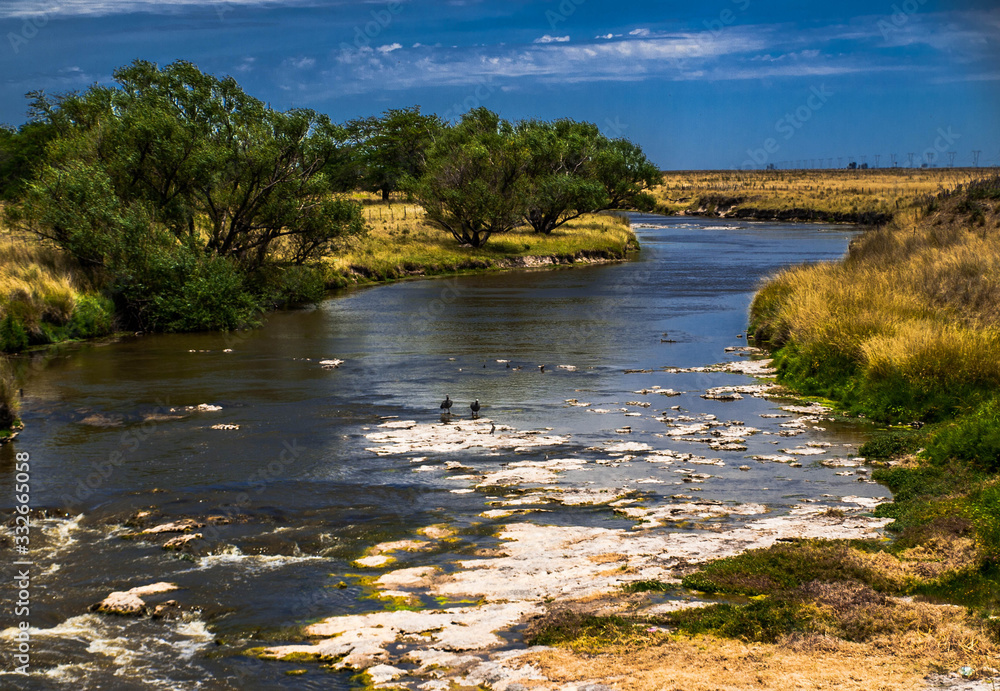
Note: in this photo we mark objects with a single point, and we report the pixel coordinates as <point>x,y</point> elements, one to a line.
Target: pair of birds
<point>447,403</point>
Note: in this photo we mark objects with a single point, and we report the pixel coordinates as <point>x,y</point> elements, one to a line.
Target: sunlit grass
<point>914,312</point>
<point>402,242</point>
<point>883,190</point>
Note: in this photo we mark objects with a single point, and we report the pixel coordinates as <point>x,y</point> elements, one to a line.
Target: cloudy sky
<point>712,84</point>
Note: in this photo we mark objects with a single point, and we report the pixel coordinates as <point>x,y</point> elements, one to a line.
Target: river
<point>294,495</point>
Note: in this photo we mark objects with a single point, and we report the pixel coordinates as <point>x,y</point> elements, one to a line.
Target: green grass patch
<point>788,565</point>
<point>648,587</point>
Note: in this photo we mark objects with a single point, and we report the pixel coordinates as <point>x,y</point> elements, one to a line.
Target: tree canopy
<point>187,171</point>
<point>475,185</point>
<point>195,205</point>
<point>392,148</point>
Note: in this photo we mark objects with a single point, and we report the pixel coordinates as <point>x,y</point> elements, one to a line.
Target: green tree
<point>561,183</point>
<point>393,147</point>
<point>475,184</point>
<point>179,188</point>
<point>575,170</point>
<point>625,172</point>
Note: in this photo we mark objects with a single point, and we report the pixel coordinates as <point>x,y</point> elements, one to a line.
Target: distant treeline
<point>196,206</point>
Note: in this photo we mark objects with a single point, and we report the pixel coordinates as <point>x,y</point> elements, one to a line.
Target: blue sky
<point>716,84</point>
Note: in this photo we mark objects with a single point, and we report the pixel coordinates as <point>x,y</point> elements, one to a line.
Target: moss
<point>648,587</point>
<point>788,565</point>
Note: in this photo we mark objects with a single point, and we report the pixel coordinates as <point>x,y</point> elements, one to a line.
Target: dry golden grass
<point>401,242</point>
<point>883,190</point>
<point>919,301</point>
<point>37,281</point>
<point>813,661</point>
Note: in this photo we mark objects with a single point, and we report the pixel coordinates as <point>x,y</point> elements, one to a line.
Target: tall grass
<point>908,326</point>
<point>8,396</point>
<point>833,192</point>
<point>402,243</point>
<point>45,296</point>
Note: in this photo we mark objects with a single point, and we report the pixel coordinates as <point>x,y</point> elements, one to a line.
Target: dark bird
<point>508,365</point>
<point>541,368</point>
<point>475,408</point>
<point>493,428</point>
<point>446,404</point>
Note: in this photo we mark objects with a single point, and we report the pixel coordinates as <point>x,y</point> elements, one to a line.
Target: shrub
<point>94,316</point>
<point>8,397</point>
<point>13,335</point>
<point>208,294</point>
<point>973,437</point>
<point>882,447</point>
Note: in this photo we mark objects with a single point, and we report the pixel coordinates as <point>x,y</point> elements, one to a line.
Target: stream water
<point>294,495</point>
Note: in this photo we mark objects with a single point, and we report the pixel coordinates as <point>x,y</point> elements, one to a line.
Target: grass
<point>401,243</point>
<point>872,195</point>
<point>907,327</point>
<point>9,399</point>
<point>45,297</point>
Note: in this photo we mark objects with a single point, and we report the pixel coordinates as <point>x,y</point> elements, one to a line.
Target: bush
<point>882,447</point>
<point>974,437</point>
<point>289,286</point>
<point>8,397</point>
<point>94,316</point>
<point>207,295</point>
<point>13,335</point>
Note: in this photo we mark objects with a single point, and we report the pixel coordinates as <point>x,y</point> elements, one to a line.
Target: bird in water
<point>493,428</point>
<point>446,405</point>
<point>475,409</point>
<point>541,368</point>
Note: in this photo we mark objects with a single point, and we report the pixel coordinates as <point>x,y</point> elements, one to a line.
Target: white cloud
<point>100,8</point>
<point>302,63</point>
<point>641,33</point>
<point>386,49</point>
<point>608,37</point>
<point>552,39</point>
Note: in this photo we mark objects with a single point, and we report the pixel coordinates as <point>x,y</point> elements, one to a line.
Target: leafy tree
<point>561,184</point>
<point>625,172</point>
<point>173,181</point>
<point>22,151</point>
<point>393,147</point>
<point>475,185</point>
<point>575,170</point>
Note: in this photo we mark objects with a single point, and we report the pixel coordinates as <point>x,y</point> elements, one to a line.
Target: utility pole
<point>892,158</point>
<point>975,157</point>
<point>951,159</point>
<point>910,156</point>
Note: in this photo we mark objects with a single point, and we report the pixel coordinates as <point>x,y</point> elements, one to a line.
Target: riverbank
<point>805,594</point>
<point>402,244</point>
<point>46,298</point>
<point>904,330</point>
<point>861,196</point>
